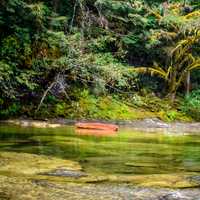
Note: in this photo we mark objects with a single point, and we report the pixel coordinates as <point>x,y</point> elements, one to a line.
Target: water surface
<point>126,153</point>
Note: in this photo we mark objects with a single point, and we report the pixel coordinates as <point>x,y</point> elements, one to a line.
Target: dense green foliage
<point>191,104</point>
<point>70,58</point>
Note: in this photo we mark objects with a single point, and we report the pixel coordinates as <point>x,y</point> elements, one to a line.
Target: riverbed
<point>60,163</point>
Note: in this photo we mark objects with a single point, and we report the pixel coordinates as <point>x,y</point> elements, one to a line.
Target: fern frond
<point>156,14</point>
<point>195,65</point>
<point>151,70</point>
<point>188,59</point>
<point>193,14</point>
<point>168,72</point>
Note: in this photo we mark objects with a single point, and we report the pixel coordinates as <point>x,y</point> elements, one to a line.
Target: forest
<point>100,59</point>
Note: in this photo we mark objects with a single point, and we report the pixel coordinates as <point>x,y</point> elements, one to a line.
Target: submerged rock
<point>31,164</point>
<point>66,173</point>
<point>173,196</point>
<point>142,164</point>
<point>95,179</point>
<point>158,180</point>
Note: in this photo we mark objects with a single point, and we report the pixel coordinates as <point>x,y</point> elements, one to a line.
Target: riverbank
<point>144,125</point>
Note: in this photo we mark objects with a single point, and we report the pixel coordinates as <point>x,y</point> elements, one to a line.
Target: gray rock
<point>173,196</point>
<point>66,173</point>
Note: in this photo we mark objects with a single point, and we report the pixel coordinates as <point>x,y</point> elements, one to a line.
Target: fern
<point>182,62</point>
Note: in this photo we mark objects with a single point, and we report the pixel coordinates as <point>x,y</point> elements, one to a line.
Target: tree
<point>182,62</point>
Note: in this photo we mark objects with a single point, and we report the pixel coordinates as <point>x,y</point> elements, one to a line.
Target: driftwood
<point>44,95</point>
<point>59,80</point>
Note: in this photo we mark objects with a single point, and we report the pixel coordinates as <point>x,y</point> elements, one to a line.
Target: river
<point>60,163</point>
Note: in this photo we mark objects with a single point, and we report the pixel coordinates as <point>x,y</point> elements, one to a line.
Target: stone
<point>66,173</point>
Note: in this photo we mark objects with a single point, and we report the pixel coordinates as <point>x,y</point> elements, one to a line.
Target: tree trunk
<point>188,83</point>
<point>173,97</point>
<point>172,94</point>
<point>184,3</point>
<point>173,86</point>
<point>56,5</point>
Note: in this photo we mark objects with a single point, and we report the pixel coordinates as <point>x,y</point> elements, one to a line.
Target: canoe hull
<point>96,126</point>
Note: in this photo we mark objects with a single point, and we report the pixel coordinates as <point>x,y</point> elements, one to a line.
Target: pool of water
<point>125,153</point>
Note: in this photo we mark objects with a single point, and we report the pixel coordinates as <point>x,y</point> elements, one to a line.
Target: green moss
<point>30,164</point>
<point>158,180</point>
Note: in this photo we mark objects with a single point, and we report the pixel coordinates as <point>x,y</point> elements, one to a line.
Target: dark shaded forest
<point>100,59</point>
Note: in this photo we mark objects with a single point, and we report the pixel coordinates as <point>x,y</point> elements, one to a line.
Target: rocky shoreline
<point>145,125</point>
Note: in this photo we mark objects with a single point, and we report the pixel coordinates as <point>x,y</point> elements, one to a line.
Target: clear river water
<point>145,160</point>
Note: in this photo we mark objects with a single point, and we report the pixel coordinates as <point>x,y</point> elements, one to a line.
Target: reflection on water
<point>97,133</point>
<point>128,152</point>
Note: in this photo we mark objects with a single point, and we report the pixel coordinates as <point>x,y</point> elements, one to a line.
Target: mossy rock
<point>159,180</point>
<point>31,164</point>
<point>20,188</point>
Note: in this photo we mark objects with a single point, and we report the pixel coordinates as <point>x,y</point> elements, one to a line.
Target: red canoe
<point>96,126</point>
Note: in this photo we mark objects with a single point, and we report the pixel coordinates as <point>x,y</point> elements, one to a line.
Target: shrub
<point>191,105</point>
<point>12,110</point>
<point>61,109</point>
<point>89,106</point>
